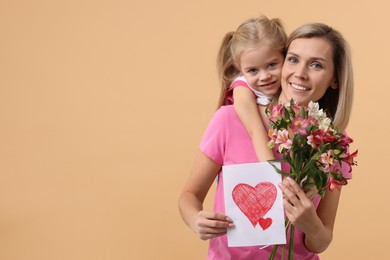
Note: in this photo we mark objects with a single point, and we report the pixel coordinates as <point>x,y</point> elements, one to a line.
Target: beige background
<point>103,104</point>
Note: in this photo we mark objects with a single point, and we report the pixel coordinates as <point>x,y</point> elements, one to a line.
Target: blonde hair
<point>337,102</point>
<point>250,32</point>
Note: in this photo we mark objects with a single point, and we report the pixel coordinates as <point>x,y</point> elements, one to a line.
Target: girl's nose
<point>265,76</point>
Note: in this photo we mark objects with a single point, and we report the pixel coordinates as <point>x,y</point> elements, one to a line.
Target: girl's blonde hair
<point>337,102</point>
<point>253,30</point>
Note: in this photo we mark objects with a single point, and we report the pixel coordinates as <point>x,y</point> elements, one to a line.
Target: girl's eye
<point>272,65</point>
<point>252,71</point>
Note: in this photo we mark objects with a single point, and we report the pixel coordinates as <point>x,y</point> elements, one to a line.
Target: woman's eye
<point>316,65</point>
<point>292,60</point>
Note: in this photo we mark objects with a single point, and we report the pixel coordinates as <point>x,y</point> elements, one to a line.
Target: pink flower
<point>334,184</point>
<point>346,140</point>
<point>277,112</point>
<point>299,125</point>
<point>273,134</point>
<point>326,160</point>
<point>283,140</point>
<point>349,159</point>
<point>329,137</point>
<point>315,139</point>
<point>312,120</point>
<point>296,108</point>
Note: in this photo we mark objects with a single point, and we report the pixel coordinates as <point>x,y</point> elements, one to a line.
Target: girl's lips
<point>298,87</point>
<point>267,85</point>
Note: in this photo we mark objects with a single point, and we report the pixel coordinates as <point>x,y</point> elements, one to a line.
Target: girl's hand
<point>298,206</point>
<point>211,224</point>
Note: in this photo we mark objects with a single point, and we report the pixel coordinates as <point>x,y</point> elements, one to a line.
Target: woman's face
<point>308,70</point>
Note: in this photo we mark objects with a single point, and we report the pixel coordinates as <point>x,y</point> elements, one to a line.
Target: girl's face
<point>308,70</point>
<point>261,65</point>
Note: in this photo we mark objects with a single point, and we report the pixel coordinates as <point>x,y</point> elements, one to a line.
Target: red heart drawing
<point>256,201</point>
<point>265,223</point>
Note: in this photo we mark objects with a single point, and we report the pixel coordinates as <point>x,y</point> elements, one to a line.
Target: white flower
<point>324,123</point>
<point>313,108</point>
<point>315,111</point>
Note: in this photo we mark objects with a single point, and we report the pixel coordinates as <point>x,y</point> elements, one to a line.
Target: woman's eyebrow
<point>311,58</point>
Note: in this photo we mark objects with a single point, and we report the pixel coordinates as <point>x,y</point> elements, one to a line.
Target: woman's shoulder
<point>226,111</point>
<point>225,118</point>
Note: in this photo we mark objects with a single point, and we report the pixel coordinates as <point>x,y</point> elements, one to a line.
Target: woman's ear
<point>334,84</point>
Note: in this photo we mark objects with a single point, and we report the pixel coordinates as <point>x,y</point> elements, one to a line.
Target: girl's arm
<point>317,225</point>
<point>205,224</point>
<point>248,112</point>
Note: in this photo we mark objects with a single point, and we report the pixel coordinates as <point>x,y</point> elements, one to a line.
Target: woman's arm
<point>248,112</point>
<point>205,224</point>
<point>318,240</point>
<point>317,225</point>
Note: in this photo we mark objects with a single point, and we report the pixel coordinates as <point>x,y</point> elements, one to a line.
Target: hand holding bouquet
<point>315,151</point>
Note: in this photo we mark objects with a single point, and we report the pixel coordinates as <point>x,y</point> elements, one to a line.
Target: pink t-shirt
<point>226,141</point>
<point>239,81</point>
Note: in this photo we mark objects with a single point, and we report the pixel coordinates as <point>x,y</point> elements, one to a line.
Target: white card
<point>254,202</point>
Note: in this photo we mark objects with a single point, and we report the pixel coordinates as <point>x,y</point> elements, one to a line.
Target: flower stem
<point>273,253</point>
<point>291,248</point>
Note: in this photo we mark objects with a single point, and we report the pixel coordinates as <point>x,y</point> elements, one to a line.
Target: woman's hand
<point>311,193</point>
<point>298,206</point>
<point>211,224</point>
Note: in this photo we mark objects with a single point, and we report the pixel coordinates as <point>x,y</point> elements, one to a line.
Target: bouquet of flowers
<point>314,149</point>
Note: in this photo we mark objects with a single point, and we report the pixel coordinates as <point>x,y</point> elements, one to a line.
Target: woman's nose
<point>300,73</point>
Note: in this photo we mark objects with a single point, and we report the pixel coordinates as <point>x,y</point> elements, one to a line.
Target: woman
<point>317,67</point>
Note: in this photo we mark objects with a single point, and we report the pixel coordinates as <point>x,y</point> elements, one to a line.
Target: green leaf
<point>277,169</point>
<point>303,112</point>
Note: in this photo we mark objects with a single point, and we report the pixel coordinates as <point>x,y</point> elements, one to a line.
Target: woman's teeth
<point>298,87</point>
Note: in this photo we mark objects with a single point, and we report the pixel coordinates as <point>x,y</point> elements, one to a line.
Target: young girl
<point>250,62</point>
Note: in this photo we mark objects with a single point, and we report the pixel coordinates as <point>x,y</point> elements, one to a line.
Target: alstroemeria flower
<point>349,158</point>
<point>327,158</point>
<point>296,108</point>
<point>315,139</point>
<point>283,140</point>
<point>299,125</point>
<point>315,111</point>
<point>334,184</point>
<point>324,123</point>
<point>345,140</point>
<point>273,133</point>
<point>276,113</point>
<point>312,120</point>
<point>313,108</point>
<point>328,137</point>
